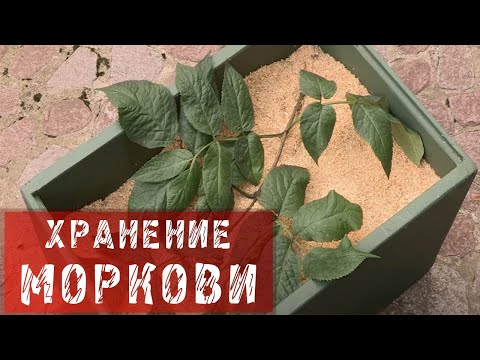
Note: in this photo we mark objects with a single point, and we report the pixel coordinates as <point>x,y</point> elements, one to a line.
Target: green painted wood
<point>408,242</point>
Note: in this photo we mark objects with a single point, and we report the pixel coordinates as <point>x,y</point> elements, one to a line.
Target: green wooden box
<point>408,242</point>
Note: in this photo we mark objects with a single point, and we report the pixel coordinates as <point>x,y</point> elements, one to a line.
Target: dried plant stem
<point>244,193</point>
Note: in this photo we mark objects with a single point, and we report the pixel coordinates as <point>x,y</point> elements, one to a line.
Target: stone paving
<point>48,107</point>
<point>446,79</point>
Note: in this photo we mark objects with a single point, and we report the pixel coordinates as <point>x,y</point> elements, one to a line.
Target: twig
<point>339,103</point>
<point>296,109</point>
<point>244,193</point>
<point>269,136</point>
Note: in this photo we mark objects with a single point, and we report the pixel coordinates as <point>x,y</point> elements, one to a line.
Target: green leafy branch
<point>210,166</point>
<point>371,119</point>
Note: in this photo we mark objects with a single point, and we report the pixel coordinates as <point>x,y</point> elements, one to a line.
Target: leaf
<point>330,264</point>
<point>316,127</point>
<point>193,139</point>
<point>327,219</point>
<point>372,123</point>
<point>202,204</point>
<point>249,157</point>
<point>409,140</point>
<point>382,149</point>
<point>376,100</point>
<point>147,112</point>
<point>287,269</point>
<point>148,196</point>
<point>284,189</point>
<point>217,172</point>
<point>183,188</point>
<point>277,228</point>
<point>236,102</point>
<point>164,166</point>
<point>198,100</point>
<point>315,86</point>
<point>205,69</point>
<point>237,178</point>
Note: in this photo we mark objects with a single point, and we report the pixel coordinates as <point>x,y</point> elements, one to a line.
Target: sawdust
<point>118,200</point>
<point>347,166</point>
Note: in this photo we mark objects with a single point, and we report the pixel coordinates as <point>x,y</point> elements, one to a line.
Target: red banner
<point>121,262</point>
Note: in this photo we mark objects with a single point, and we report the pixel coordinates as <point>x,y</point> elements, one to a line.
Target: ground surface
<point>47,108</point>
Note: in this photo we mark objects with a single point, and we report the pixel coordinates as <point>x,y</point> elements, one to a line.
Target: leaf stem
<point>201,150</point>
<point>286,229</point>
<point>289,127</point>
<point>338,102</point>
<point>267,136</point>
<point>263,136</point>
<point>244,193</point>
<point>293,124</point>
